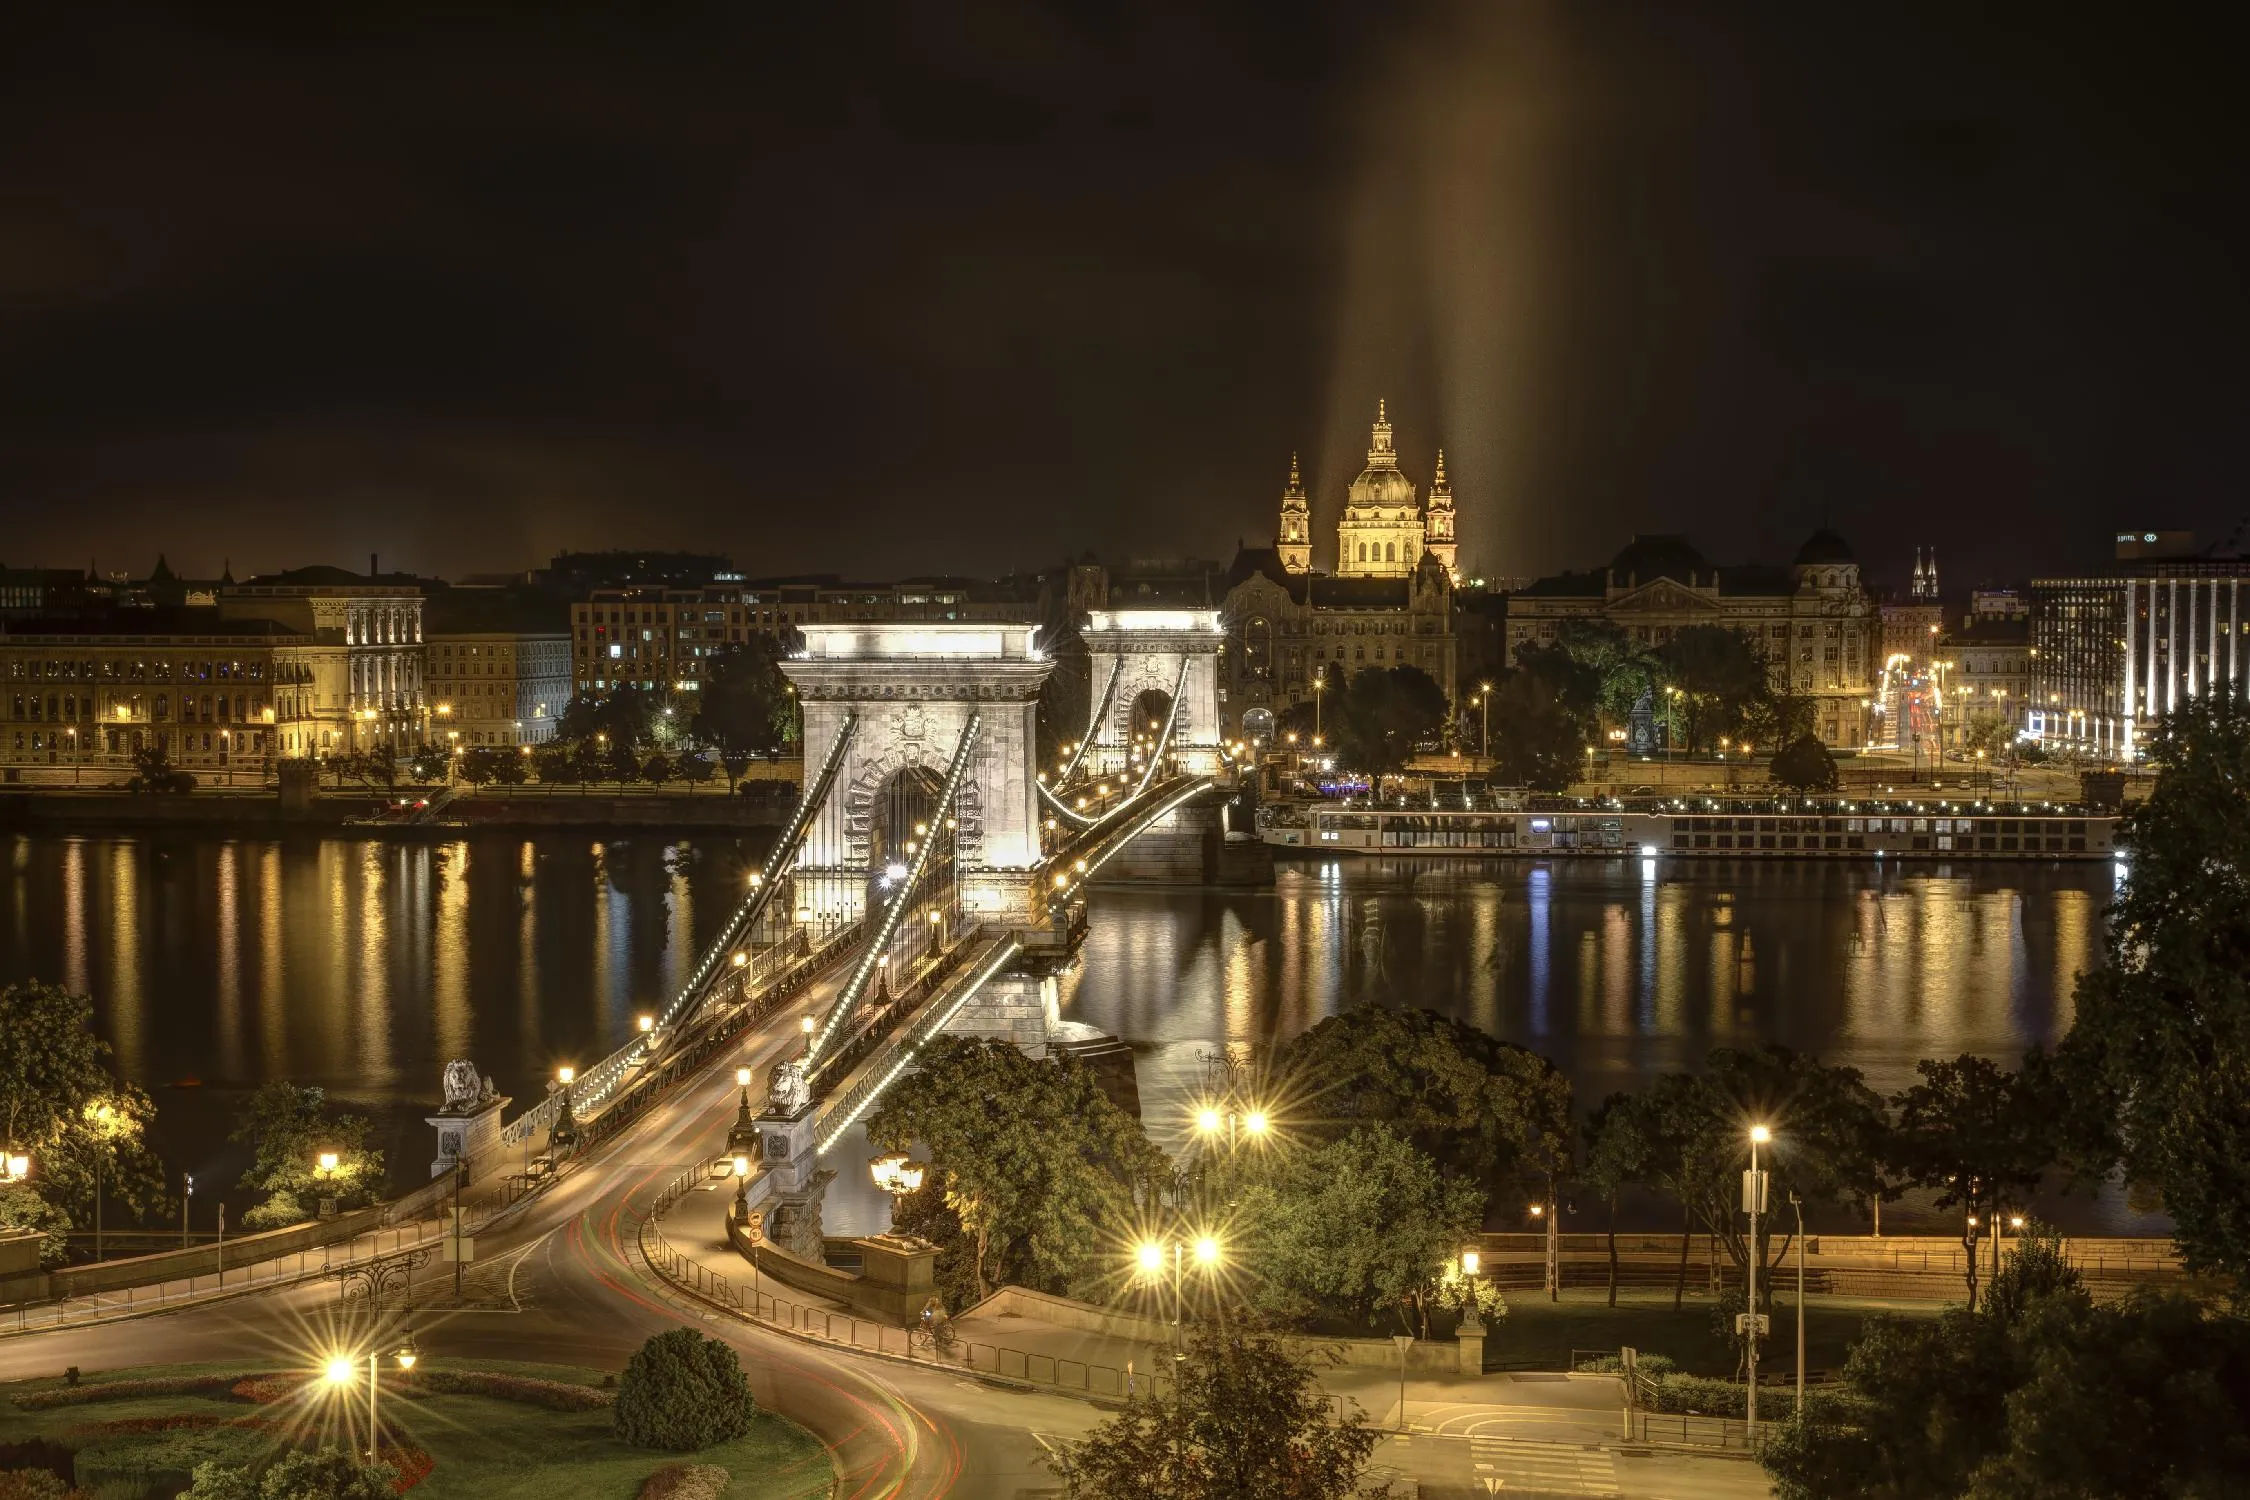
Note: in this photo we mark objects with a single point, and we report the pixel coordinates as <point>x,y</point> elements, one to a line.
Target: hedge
<point>685,1482</point>
<point>124,1390</point>
<point>554,1395</point>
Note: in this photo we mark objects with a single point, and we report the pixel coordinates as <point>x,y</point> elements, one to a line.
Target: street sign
<point>1764,1321</point>
<point>1754,1186</point>
<point>755,1226</point>
<point>463,1249</point>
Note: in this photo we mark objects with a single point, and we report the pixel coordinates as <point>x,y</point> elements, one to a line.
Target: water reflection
<point>364,966</point>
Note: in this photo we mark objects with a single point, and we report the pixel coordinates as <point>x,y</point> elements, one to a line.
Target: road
<point>562,1282</point>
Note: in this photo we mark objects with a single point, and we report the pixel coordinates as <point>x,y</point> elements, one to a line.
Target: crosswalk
<point>1511,1466</point>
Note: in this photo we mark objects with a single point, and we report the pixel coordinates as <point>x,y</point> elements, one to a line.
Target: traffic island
<point>453,1429</point>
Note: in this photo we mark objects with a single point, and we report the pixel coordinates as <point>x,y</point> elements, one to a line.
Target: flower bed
<point>554,1395</point>
<point>413,1466</point>
<point>265,1390</point>
<point>124,1390</point>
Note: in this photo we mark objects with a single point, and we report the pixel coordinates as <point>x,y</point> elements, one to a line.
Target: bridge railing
<point>897,1055</point>
<point>594,1090</point>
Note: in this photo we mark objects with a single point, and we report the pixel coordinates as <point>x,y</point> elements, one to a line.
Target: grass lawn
<point>1538,1334</point>
<point>485,1447</point>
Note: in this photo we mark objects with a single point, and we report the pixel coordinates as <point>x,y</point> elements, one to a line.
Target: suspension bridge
<point>933,876</point>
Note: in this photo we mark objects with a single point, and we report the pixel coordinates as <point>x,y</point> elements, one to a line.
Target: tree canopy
<point>746,707</point>
<point>1360,1225</point>
<point>1543,715</point>
<point>1978,1136</point>
<point>1032,1170</point>
<point>1248,1420</point>
<point>60,1105</point>
<point>289,1127</point>
<point>2158,1060</point>
<point>1489,1110</point>
<point>1377,722</point>
<point>1804,765</point>
<point>1716,680</point>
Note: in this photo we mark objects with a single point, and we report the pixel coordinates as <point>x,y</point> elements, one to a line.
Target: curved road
<point>564,1283</point>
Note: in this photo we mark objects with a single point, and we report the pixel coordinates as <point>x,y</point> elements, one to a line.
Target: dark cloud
<point>893,287</point>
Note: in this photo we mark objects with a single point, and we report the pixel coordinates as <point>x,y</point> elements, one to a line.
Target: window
<point>1390,552</point>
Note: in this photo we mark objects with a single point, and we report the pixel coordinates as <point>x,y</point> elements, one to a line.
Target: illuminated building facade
<point>2110,654</point>
<point>1812,621</point>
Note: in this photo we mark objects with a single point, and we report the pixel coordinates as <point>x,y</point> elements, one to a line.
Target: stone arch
<point>870,779</point>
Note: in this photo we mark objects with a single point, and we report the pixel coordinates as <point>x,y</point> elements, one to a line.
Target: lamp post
<point>1799,1205</point>
<point>1484,712</point>
<point>341,1371</point>
<point>187,1205</point>
<point>1545,1214</point>
<point>100,1114</point>
<point>1753,1198</point>
<point>1151,1255</point>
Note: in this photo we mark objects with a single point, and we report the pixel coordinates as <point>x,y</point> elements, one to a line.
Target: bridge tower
<point>914,686</point>
<point>1153,662</point>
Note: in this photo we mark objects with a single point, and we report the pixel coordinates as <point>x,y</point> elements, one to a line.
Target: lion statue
<point>464,1086</point>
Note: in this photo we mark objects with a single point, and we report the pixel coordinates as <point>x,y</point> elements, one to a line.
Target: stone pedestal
<point>467,1134</point>
<point>787,1143</point>
<point>1470,1336</point>
<point>793,1217</point>
<point>902,1271</point>
<point>1019,1008</point>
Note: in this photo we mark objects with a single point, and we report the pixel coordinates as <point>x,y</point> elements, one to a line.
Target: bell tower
<point>1294,540</point>
<point>1437,519</point>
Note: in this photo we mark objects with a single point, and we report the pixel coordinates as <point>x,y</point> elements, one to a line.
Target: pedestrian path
<point>234,1281</point>
<point>1565,1468</point>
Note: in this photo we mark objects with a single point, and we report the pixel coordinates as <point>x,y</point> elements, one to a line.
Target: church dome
<point>1824,548</point>
<point>1387,488</point>
<point>1660,555</point>
<point>1380,484</point>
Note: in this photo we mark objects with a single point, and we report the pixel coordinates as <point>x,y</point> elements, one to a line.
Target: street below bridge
<point>561,1279</point>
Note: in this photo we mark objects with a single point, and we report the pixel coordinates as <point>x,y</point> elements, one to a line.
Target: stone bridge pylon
<point>1147,660</point>
<point>914,686</point>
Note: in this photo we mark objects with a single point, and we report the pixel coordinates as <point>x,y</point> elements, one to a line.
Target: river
<point>217,963</point>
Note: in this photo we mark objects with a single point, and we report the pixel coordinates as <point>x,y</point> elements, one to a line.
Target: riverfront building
<point>499,666</point>
<point>1813,622</point>
<point>2112,652</point>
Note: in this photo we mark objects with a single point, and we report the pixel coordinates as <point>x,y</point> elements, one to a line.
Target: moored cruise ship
<point>1728,830</point>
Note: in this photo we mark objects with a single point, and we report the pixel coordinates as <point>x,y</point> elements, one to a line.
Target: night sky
<point>884,289</point>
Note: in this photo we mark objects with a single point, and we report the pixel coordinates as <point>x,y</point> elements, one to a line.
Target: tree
<point>479,764</point>
<point>289,1128</point>
<point>616,722</point>
<point>1033,1168</point>
<point>1804,765</point>
<point>1977,1134</point>
<point>2145,1397</point>
<point>559,765</point>
<point>1543,718</point>
<point>297,1475</point>
<point>1383,717</point>
<point>1829,1140</point>
<point>1715,680</point>
<point>657,771</point>
<point>153,770</point>
<point>60,1105</point>
<point>2157,1064</point>
<point>21,1208</point>
<point>511,767</point>
<point>682,1391</point>
<point>1621,670</point>
<point>426,763</point>
<point>693,769</point>
<point>747,707</point>
<point>1488,1110</point>
<point>1623,1149</point>
<point>1247,1420</point>
<point>1357,1226</point>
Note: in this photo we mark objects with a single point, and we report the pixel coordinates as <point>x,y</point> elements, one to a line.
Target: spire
<point>1438,485</point>
<point>1293,542</point>
<point>1296,490</point>
<point>1379,451</point>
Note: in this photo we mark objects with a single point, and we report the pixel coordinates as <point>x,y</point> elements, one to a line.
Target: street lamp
<point>1542,1213</point>
<point>342,1369</point>
<point>1484,711</point>
<point>1150,1255</point>
<point>1753,1198</point>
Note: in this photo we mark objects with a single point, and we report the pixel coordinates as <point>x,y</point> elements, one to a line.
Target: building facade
<point>1987,674</point>
<point>498,687</point>
<point>1384,531</point>
<point>356,674</point>
<point>93,690</point>
<point>1284,629</point>
<point>2111,654</point>
<point>1812,621</point>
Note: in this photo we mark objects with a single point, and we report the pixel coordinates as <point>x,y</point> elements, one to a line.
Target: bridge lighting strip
<point>1115,840</point>
<point>1164,742</point>
<point>1094,720</point>
<point>880,941</point>
<point>929,1025</point>
<point>1083,820</point>
<point>784,850</point>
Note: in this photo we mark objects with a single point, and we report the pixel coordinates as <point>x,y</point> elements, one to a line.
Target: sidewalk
<point>194,1291</point>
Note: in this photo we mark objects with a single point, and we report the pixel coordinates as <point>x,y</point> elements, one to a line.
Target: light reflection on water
<point>365,965</point>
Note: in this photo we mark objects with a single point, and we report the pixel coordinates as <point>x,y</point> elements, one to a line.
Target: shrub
<point>46,1484</point>
<point>166,1462</point>
<point>685,1482</point>
<point>681,1392</point>
<point>326,1475</point>
<point>265,1390</point>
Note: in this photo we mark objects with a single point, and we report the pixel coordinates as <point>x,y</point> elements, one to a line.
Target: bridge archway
<point>915,686</point>
<point>1167,656</point>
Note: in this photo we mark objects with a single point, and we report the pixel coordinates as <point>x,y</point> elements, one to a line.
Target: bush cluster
<point>682,1392</point>
<point>685,1482</point>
